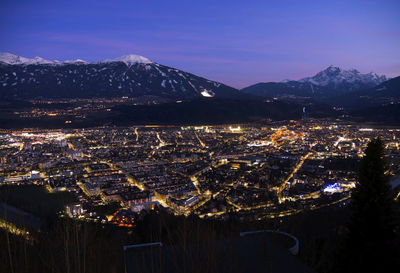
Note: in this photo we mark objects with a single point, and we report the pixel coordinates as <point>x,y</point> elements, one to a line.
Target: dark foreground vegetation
<point>36,199</point>
<point>72,246</point>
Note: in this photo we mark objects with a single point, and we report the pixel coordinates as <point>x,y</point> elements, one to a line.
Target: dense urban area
<point>117,175</point>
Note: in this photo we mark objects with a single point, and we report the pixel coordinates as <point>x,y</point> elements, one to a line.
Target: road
<point>283,185</point>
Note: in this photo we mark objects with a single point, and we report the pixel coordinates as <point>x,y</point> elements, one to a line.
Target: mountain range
<point>126,76</point>
<point>135,76</point>
<point>332,81</point>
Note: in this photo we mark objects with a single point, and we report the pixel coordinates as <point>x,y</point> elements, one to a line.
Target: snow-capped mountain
<point>330,82</point>
<point>336,77</point>
<point>12,59</point>
<point>129,60</point>
<point>128,76</point>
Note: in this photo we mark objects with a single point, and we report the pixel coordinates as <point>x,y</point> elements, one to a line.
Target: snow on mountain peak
<point>352,70</point>
<point>12,59</point>
<point>77,61</point>
<point>332,68</point>
<point>336,76</point>
<point>129,59</point>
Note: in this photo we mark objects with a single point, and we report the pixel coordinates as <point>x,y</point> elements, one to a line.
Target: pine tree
<point>369,243</point>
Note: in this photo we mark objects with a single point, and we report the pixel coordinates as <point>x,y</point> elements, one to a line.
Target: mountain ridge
<point>326,83</point>
<point>13,59</point>
<point>135,76</point>
<point>335,75</point>
<point>125,76</point>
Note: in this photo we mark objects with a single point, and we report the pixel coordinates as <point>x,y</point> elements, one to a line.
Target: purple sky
<point>236,42</point>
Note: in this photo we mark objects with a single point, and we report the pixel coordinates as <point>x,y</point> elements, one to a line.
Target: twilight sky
<point>236,42</point>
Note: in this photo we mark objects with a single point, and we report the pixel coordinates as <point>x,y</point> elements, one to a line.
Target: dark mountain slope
<point>386,93</point>
<point>130,76</point>
<point>196,112</point>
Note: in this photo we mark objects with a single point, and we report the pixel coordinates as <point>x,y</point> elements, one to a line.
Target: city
<point>116,175</point>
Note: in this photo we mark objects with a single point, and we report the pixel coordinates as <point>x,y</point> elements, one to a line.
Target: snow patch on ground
<point>381,89</point>
<point>192,85</point>
<point>207,93</point>
<point>162,73</point>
